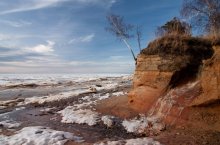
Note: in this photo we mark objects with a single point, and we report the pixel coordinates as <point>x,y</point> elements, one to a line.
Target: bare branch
<point>203,14</point>
<point>121,30</point>
<point>139,36</point>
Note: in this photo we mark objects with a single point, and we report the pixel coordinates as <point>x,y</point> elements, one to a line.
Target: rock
<point>93,90</point>
<point>98,85</point>
<point>107,120</point>
<point>150,81</point>
<point>170,86</point>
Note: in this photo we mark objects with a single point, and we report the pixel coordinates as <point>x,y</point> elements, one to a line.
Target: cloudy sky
<point>68,36</point>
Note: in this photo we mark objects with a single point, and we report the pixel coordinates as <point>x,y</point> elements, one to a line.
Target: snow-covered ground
<point>92,89</point>
<point>38,135</point>
<point>138,141</point>
<point>42,79</point>
<point>79,116</point>
<point>9,124</point>
<point>50,88</point>
<point>84,113</point>
<point>51,98</point>
<point>143,124</point>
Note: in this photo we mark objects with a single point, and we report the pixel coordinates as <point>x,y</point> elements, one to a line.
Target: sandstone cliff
<point>172,76</point>
<point>176,85</point>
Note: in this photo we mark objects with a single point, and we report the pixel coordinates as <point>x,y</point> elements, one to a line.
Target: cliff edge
<point>177,79</point>
<point>176,85</point>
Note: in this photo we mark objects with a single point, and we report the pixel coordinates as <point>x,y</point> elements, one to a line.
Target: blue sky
<point>68,36</point>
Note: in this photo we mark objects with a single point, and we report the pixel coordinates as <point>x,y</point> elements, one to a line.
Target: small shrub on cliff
<point>174,27</point>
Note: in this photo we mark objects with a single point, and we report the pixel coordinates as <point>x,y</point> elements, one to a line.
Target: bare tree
<point>204,14</point>
<point>174,27</point>
<point>139,36</point>
<point>121,30</point>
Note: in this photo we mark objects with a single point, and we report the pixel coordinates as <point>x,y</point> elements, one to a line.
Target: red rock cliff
<point>170,85</point>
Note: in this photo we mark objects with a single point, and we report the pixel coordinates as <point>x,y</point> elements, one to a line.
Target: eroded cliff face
<point>154,77</point>
<point>149,82</point>
<point>169,88</point>
<point>210,81</point>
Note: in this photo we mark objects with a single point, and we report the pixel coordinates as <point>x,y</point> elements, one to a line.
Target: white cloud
<point>117,58</point>
<point>28,5</point>
<point>42,48</point>
<point>87,38</point>
<point>19,23</point>
<point>12,52</point>
<point>56,65</point>
<point>4,37</point>
<point>102,3</point>
<point>96,1</point>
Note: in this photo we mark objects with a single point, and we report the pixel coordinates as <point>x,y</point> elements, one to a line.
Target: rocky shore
<point>172,98</point>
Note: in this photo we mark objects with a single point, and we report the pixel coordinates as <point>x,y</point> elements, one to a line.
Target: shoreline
<point>95,116</point>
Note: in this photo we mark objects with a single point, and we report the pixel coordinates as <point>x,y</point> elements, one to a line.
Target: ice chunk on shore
<point>10,124</point>
<point>142,124</point>
<point>118,94</point>
<point>107,120</point>
<point>69,115</point>
<point>51,98</point>
<point>136,125</point>
<point>19,108</point>
<point>38,135</point>
<point>101,97</point>
<point>108,86</point>
<point>137,141</point>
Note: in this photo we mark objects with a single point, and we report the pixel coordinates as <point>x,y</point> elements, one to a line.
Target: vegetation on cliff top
<point>174,37</point>
<point>180,45</point>
<point>174,27</point>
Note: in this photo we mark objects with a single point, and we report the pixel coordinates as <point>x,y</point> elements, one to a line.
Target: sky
<point>69,36</point>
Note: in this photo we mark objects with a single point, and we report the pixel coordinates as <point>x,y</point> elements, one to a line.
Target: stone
<point>149,81</point>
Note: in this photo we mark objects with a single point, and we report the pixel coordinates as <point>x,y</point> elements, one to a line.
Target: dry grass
<point>214,39</point>
<point>180,45</point>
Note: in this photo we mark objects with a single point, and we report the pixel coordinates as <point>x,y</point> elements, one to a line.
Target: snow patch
<point>137,141</point>
<point>20,108</point>
<point>143,124</point>
<point>51,98</point>
<point>136,125</point>
<point>109,86</point>
<point>79,113</point>
<point>69,115</point>
<point>107,120</point>
<point>118,93</point>
<point>9,124</point>
<point>86,98</point>
<point>84,105</point>
<point>47,109</point>
<point>38,135</point>
<point>102,97</point>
